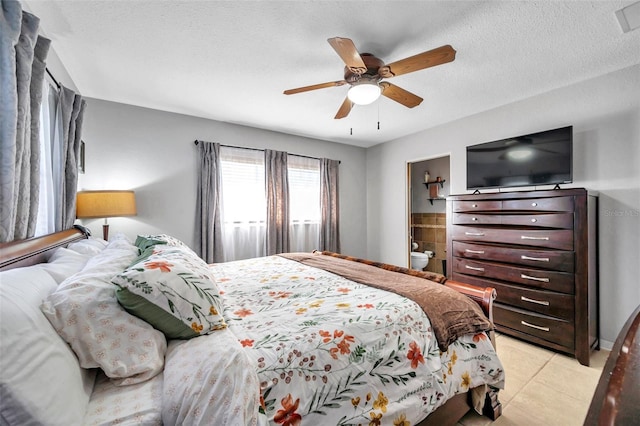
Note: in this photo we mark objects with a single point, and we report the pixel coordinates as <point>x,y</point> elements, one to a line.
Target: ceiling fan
<point>364,72</point>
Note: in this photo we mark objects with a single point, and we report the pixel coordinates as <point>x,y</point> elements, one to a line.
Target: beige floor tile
<point>568,381</point>
<point>521,361</point>
<point>513,384</point>
<point>568,376</point>
<point>515,416</point>
<point>599,359</point>
<point>596,362</point>
<point>539,404</point>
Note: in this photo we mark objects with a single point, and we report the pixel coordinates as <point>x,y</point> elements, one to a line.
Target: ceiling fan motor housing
<point>372,63</point>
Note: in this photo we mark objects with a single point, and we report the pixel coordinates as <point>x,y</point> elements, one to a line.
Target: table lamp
<point>106,203</point>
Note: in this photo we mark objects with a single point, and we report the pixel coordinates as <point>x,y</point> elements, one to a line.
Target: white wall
<point>153,153</point>
<point>605,113</point>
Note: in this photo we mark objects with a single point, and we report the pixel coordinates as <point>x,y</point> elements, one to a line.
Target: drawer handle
<point>475,234</point>
<point>529,277</point>
<point>534,204</point>
<point>474,205</point>
<point>534,220</point>
<point>473,219</point>
<point>539,302</point>
<point>537,327</point>
<point>539,259</point>
<point>526,237</point>
<point>473,268</point>
<point>474,251</point>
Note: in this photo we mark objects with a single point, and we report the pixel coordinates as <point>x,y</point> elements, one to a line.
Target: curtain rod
<point>52,77</point>
<point>258,149</point>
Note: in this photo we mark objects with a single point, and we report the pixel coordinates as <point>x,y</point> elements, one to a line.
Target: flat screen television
<point>543,158</point>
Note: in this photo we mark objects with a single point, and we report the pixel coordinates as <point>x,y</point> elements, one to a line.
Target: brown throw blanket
<point>451,314</point>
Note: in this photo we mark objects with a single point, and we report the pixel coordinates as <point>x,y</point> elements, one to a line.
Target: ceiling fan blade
<point>345,48</point>
<point>438,56</point>
<point>400,95</point>
<point>314,87</point>
<point>345,109</point>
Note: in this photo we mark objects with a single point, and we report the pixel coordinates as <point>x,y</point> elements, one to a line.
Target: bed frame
<point>616,400</point>
<point>37,250</point>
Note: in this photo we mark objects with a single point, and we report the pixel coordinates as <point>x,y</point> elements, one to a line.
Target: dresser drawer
<point>547,259</point>
<point>552,204</point>
<point>534,278</point>
<point>477,206</point>
<point>476,219</point>
<point>552,238</point>
<point>544,327</point>
<point>550,303</point>
<point>550,220</point>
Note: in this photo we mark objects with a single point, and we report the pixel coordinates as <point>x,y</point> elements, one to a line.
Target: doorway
<point>427,209</point>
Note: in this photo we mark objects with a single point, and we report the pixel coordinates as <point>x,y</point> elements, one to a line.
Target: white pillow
<point>41,381</point>
<point>64,262</point>
<point>85,312</point>
<point>90,246</point>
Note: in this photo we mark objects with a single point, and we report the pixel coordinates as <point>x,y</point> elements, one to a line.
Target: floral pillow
<point>143,242</point>
<point>86,314</point>
<point>173,290</point>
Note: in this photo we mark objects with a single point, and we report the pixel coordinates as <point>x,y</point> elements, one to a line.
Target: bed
<point>293,339</point>
<point>616,400</point>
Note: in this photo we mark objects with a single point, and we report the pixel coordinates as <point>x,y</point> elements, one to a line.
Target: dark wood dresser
<point>538,249</point>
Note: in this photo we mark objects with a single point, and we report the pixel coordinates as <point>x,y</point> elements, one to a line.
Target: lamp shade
<point>103,204</point>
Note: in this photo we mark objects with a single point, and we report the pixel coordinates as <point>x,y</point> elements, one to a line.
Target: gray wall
<point>605,113</point>
<point>153,153</point>
<point>420,193</point>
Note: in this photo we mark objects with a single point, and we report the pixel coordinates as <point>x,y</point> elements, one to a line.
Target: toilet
<point>419,261</point>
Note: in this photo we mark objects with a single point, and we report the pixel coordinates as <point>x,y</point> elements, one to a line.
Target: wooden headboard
<point>37,250</point>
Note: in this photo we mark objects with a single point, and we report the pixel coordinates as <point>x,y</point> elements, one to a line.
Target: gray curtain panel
<point>22,57</point>
<point>209,198</point>
<point>329,205</point>
<point>277,191</point>
<point>70,113</point>
<point>37,80</point>
<point>71,109</point>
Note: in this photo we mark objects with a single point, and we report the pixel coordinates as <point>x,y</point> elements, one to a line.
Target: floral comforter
<point>331,351</point>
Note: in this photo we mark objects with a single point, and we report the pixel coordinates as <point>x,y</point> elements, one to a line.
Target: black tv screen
<point>543,158</point>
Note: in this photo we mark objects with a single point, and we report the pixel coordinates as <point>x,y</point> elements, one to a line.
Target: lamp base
<point>105,232</point>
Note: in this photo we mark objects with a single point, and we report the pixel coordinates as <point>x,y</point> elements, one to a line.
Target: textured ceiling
<point>231,60</point>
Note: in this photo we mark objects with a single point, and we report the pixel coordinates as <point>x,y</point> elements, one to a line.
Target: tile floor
<point>542,387</point>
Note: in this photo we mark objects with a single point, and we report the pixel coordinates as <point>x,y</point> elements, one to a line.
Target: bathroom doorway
<point>427,209</point>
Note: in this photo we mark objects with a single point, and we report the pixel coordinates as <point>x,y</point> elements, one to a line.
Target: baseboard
<point>606,345</point>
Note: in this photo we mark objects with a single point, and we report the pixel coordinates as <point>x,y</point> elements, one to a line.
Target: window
<point>304,202</point>
<point>244,208</point>
<point>49,124</point>
<point>244,202</point>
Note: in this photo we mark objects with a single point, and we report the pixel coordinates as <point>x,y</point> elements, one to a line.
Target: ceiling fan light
<point>519,154</point>
<point>364,93</point>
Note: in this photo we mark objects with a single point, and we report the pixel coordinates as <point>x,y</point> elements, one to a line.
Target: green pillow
<point>143,242</point>
<point>173,290</point>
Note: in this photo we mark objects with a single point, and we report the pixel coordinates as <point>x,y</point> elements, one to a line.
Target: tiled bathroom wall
<point>429,230</point>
